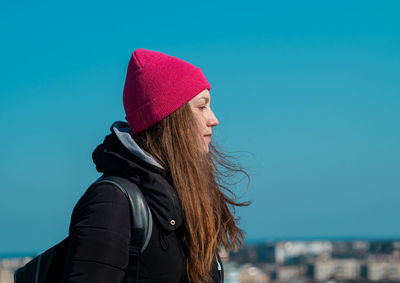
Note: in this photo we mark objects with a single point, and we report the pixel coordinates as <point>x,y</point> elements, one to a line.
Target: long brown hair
<point>199,180</point>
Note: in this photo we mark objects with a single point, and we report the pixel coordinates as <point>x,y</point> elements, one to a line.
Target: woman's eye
<point>203,107</point>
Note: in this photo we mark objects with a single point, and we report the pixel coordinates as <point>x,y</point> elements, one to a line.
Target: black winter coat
<point>100,224</point>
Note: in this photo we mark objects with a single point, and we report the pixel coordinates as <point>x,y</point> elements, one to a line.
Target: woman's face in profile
<point>204,116</point>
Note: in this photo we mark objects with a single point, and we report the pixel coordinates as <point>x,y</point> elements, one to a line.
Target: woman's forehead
<point>204,94</point>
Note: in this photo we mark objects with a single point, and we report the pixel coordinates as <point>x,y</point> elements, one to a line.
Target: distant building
<point>266,253</point>
<point>252,274</point>
<point>286,250</point>
<point>382,268</point>
<point>254,253</point>
<point>231,273</point>
<point>325,269</point>
<point>347,249</point>
<point>224,254</point>
<point>381,247</point>
<point>286,273</point>
<point>8,267</point>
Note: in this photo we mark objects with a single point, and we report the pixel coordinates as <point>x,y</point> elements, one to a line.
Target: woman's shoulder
<point>99,236</point>
<point>101,193</point>
<point>102,205</point>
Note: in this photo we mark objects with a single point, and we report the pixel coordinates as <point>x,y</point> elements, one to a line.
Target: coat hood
<point>120,155</point>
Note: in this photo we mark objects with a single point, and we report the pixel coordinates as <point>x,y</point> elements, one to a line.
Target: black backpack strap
<point>141,221</point>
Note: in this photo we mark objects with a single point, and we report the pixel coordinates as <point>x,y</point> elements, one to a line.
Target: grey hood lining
<point>122,130</point>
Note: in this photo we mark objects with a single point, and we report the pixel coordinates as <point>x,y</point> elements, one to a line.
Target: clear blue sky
<point>308,90</point>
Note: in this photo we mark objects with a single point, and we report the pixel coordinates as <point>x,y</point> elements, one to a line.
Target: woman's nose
<point>213,121</point>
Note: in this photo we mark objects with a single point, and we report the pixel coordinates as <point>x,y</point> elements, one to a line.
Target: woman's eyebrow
<point>205,98</point>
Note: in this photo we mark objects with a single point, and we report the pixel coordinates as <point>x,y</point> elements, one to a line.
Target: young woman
<point>165,148</point>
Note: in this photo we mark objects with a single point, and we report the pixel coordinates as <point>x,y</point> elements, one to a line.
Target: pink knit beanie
<point>156,85</point>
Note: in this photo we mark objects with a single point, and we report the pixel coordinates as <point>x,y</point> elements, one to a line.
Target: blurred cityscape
<point>294,261</point>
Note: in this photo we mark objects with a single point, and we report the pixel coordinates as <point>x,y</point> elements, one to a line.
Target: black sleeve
<point>99,237</point>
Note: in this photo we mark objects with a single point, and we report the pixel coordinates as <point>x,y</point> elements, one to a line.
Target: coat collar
<point>120,155</point>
